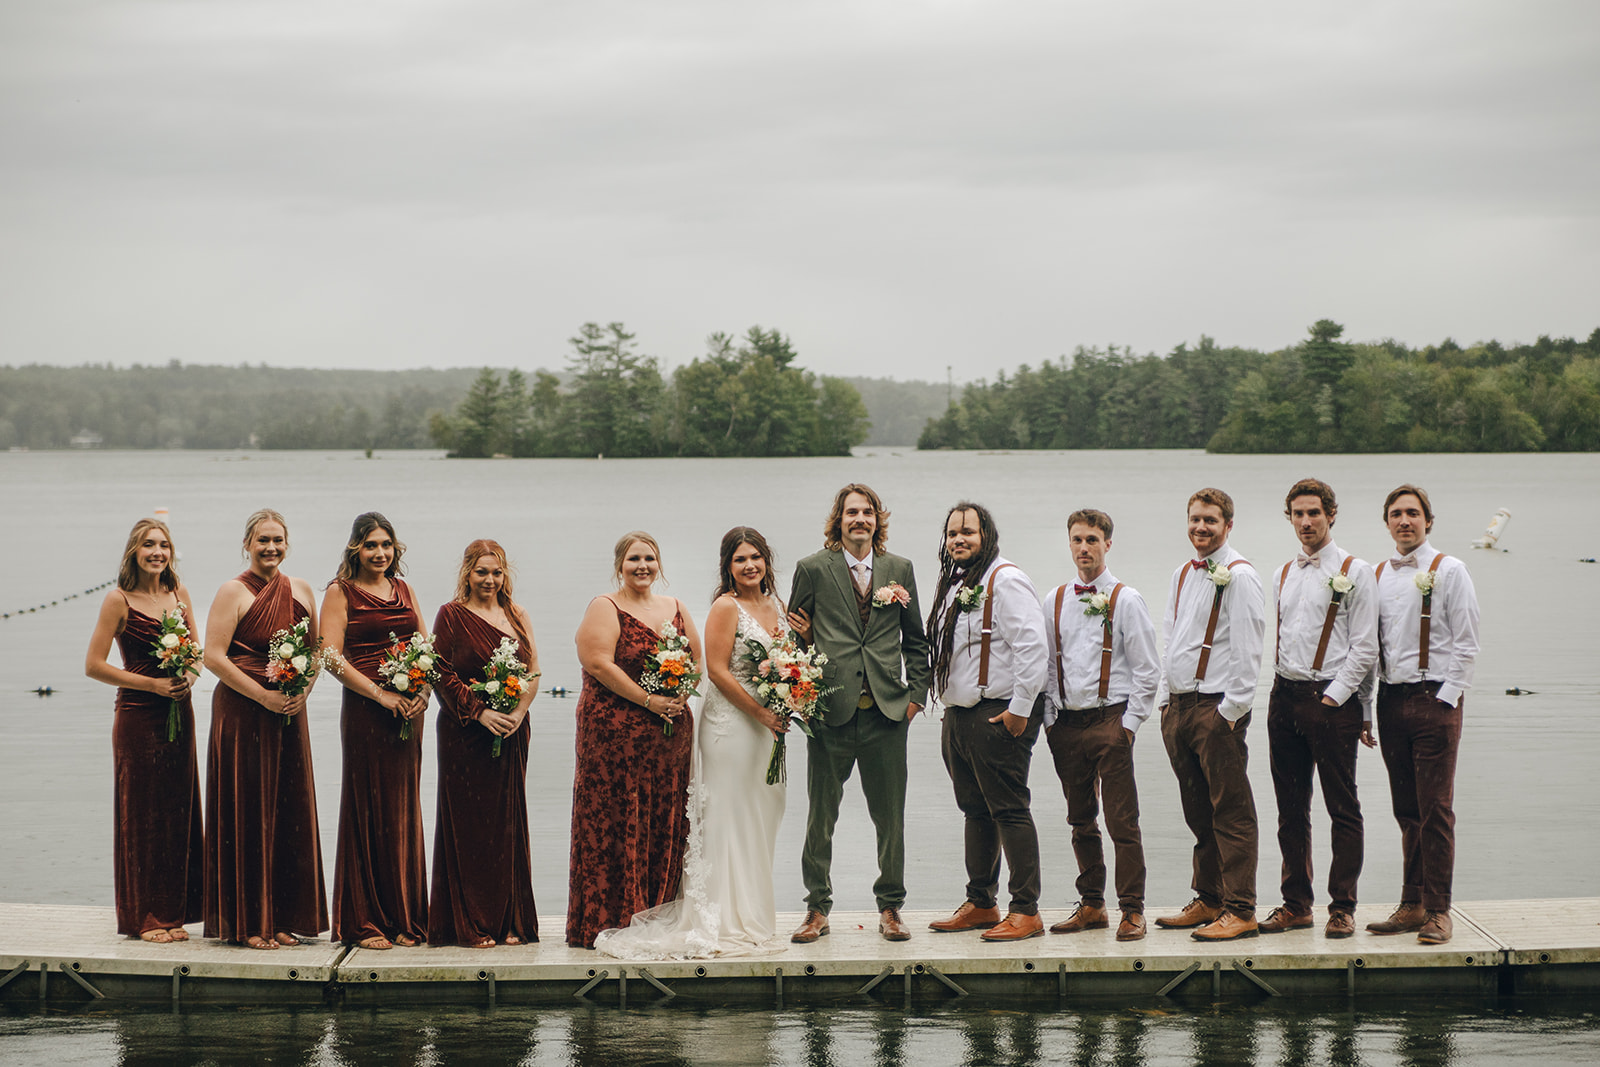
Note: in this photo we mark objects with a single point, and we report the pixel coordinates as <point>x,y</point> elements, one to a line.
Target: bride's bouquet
<point>292,662</point>
<point>178,654</point>
<point>505,679</point>
<point>788,681</point>
<point>408,666</point>
<point>671,669</point>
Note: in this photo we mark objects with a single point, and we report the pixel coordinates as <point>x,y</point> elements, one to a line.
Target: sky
<point>906,188</point>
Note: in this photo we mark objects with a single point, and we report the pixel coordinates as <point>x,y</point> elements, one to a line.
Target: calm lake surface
<point>1526,800</point>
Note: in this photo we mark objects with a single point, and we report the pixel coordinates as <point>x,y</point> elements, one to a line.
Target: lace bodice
<point>740,664</point>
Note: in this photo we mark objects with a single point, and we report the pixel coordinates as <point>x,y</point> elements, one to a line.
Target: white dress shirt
<point>1135,661</point>
<point>1235,663</point>
<point>1351,661</point>
<point>1017,650</point>
<point>853,563</point>
<point>1452,631</point>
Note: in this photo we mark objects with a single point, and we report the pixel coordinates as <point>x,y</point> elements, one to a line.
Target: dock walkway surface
<point>57,956</point>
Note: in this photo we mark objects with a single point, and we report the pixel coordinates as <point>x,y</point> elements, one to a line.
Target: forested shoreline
<point>1321,395</point>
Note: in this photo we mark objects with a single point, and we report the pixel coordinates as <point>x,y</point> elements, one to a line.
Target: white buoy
<point>1496,530</point>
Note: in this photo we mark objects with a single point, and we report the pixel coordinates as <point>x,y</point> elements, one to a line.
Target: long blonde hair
<point>257,517</point>
<point>128,573</point>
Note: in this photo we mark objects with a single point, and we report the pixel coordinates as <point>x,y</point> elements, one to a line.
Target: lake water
<point>1526,800</point>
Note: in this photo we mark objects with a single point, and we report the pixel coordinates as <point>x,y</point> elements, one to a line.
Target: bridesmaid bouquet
<point>178,654</point>
<point>671,670</point>
<point>292,662</point>
<point>788,681</point>
<point>505,679</point>
<point>407,666</point>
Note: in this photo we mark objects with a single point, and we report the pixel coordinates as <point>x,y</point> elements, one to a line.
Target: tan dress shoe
<point>1437,929</point>
<point>1195,913</point>
<point>1281,919</point>
<point>1340,924</point>
<point>1406,918</point>
<point>1015,927</point>
<point>1227,927</point>
<point>1084,917</point>
<point>891,926</point>
<point>1131,928</point>
<point>967,917</point>
<point>815,926</point>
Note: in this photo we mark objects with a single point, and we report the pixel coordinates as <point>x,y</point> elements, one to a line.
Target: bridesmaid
<point>380,885</point>
<point>629,791</point>
<point>263,872</point>
<point>482,873</point>
<point>157,840</point>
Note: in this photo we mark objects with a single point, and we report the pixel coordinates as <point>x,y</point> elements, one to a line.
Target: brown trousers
<point>1419,737</point>
<point>1210,759</point>
<point>1306,735</point>
<point>1093,755</point>
<point>989,771</point>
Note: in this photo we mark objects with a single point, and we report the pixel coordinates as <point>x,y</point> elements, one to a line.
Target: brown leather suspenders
<point>1211,625</point>
<point>988,628</point>
<point>1327,622</point>
<point>1427,616</point>
<point>1105,642</point>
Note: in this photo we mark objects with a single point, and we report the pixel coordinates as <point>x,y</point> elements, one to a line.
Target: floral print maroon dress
<point>629,799</point>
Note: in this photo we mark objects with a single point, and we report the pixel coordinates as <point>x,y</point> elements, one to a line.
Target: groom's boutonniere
<point>971,597</point>
<point>1097,604</point>
<point>1340,584</point>
<point>1219,575</point>
<point>893,593</point>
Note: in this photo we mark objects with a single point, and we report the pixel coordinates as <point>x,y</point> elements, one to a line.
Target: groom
<point>858,604</point>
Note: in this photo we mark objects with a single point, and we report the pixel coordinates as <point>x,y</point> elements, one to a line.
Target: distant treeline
<point>741,398</point>
<point>1322,395</point>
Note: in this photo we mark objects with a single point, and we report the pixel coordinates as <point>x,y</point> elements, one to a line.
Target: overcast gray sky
<point>899,185</point>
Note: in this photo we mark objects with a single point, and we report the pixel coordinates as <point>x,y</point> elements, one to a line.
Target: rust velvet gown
<point>156,848</point>
<point>629,799</point>
<point>380,885</point>
<point>263,869</point>
<point>482,874</point>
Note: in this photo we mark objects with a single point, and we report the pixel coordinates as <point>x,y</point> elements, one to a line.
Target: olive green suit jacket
<point>888,656</point>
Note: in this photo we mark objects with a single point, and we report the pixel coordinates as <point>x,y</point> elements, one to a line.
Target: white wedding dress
<point>725,904</point>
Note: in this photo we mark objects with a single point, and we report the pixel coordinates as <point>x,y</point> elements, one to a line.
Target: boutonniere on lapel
<point>893,593</point>
<point>1424,580</point>
<point>1340,584</point>
<point>971,597</point>
<point>1219,576</point>
<point>1097,605</point>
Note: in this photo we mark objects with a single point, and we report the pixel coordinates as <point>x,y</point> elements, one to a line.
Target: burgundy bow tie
<point>1306,561</point>
<point>1197,564</point>
<point>1079,590</point>
<point>1404,561</point>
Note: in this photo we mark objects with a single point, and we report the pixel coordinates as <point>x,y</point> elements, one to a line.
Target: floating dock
<point>63,956</point>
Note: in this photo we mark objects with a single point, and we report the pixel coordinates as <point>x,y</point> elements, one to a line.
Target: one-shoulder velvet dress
<point>629,799</point>
<point>482,874</point>
<point>380,883</point>
<point>263,868</point>
<point>156,846</point>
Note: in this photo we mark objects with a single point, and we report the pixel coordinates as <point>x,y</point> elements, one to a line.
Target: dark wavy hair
<point>833,529</point>
<point>743,535</point>
<point>1317,488</point>
<point>366,522</point>
<point>942,622</point>
<point>483,546</point>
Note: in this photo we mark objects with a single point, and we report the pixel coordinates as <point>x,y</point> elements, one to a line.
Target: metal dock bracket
<point>1183,976</point>
<point>873,984</point>
<point>666,991</point>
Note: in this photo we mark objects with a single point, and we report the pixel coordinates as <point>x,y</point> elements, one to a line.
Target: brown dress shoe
<point>967,917</point>
<point>1282,919</point>
<point>1340,924</point>
<point>1437,929</point>
<point>891,926</point>
<point>1084,917</point>
<point>815,926</point>
<point>1015,927</point>
<point>1406,918</point>
<point>1131,928</point>
<point>1227,927</point>
<point>1195,913</point>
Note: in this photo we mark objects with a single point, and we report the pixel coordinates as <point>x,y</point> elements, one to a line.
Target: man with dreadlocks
<point>989,658</point>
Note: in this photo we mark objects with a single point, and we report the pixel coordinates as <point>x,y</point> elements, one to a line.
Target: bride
<point>725,904</point>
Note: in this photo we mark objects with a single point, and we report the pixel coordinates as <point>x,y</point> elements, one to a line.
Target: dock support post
<point>667,992</point>
<point>777,986</point>
<point>906,986</point>
<point>1061,982</point>
<point>948,984</point>
<point>1350,979</point>
<point>18,969</point>
<point>622,988</point>
<point>488,977</point>
<point>76,977</point>
<point>44,982</point>
<point>591,983</point>
<point>1216,980</point>
<point>177,987</point>
<point>873,984</point>
<point>1178,981</point>
<point>1256,978</point>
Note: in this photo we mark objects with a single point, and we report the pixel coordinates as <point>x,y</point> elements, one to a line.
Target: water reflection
<point>836,1036</point>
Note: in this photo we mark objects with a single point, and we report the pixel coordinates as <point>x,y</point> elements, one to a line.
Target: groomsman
<point>1323,679</point>
<point>1428,634</point>
<point>988,668</point>
<point>1101,682</point>
<point>858,603</point>
<point>1214,621</point>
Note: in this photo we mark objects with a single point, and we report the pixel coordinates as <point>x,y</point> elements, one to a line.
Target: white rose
<point>170,640</point>
<point>491,687</point>
<point>1098,601</point>
<point>425,662</point>
<point>763,690</point>
<point>783,690</point>
<point>285,650</point>
<point>299,664</point>
<point>401,682</point>
<point>1341,584</point>
<point>1221,577</point>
